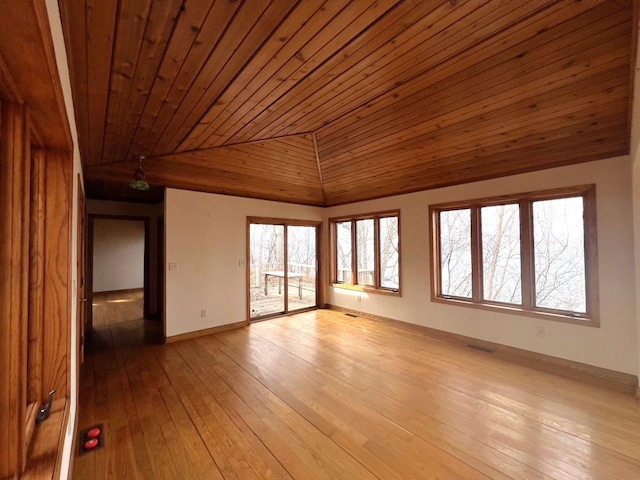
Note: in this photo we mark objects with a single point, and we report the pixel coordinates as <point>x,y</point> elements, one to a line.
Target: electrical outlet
<point>359,298</point>
<point>203,313</point>
<point>540,331</point>
<point>241,262</point>
<point>173,266</point>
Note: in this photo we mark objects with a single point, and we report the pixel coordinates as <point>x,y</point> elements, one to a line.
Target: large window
<point>366,251</point>
<point>534,253</point>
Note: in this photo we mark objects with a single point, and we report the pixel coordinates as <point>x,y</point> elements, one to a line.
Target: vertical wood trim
<point>592,285</point>
<point>247,263</point>
<point>161,265</point>
<point>24,280</point>
<point>333,249</point>
<point>354,253</point>
<point>399,254</point>
<point>526,254</point>
<point>285,267</point>
<point>81,299</point>
<point>57,312</point>
<point>435,259</point>
<point>146,268</point>
<point>13,287</point>
<point>376,252</point>
<point>477,271</point>
<point>36,277</point>
<point>320,283</point>
<point>89,274</point>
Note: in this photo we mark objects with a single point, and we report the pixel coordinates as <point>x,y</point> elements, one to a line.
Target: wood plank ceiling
<point>324,103</point>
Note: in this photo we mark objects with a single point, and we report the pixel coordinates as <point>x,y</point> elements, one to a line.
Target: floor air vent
<point>351,315</point>
<point>478,347</point>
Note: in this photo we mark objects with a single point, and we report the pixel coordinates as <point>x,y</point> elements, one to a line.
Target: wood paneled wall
<point>35,208</point>
<point>36,275</point>
<point>14,200</point>
<point>36,164</point>
<point>57,271</point>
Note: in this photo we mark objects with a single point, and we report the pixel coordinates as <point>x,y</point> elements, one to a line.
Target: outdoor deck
<point>273,302</point>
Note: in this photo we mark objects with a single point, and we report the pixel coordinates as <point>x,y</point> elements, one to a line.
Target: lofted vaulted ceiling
<point>325,103</point>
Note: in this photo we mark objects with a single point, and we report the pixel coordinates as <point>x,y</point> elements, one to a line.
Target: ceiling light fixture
<point>139,179</point>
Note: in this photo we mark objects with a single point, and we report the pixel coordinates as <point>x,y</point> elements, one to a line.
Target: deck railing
<point>258,270</point>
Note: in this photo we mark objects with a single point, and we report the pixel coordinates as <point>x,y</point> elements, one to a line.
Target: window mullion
<point>354,254</point>
<point>376,252</point>
<point>476,255</point>
<point>591,254</point>
<point>333,228</point>
<point>526,254</point>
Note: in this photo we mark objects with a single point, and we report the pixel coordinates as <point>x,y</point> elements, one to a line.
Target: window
<point>533,253</point>
<point>366,251</point>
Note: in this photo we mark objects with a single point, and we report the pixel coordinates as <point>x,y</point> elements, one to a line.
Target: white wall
<point>612,346</point>
<point>118,254</point>
<point>206,237</point>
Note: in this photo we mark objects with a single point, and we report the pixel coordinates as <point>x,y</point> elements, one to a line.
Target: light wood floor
<point>117,307</point>
<point>321,395</point>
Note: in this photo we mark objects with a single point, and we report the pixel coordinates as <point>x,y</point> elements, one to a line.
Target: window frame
<point>528,308</point>
<point>353,285</point>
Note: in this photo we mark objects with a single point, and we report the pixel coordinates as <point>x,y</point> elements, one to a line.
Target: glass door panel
<point>302,267</point>
<point>267,270</point>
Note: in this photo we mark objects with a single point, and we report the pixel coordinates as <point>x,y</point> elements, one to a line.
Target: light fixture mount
<point>139,179</point>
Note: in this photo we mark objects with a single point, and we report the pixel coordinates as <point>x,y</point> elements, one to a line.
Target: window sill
<point>366,289</point>
<point>44,455</point>
<point>514,310</point>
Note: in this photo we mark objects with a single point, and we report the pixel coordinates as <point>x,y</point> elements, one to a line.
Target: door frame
<point>286,222</point>
<point>81,266</point>
<point>89,253</point>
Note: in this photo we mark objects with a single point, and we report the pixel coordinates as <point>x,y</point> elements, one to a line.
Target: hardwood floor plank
<point>322,396</point>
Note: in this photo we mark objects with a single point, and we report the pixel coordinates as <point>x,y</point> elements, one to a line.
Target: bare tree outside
<point>455,252</point>
<point>365,251</point>
<point>501,253</point>
<point>267,244</point>
<point>558,231</point>
<point>343,241</point>
<point>302,245</point>
<point>389,253</point>
<point>266,255</point>
<point>272,274</point>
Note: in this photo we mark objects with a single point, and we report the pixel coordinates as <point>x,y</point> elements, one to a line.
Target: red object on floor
<point>91,444</point>
<point>93,433</point>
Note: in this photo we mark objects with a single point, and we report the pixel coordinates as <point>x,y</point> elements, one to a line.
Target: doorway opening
<point>283,267</point>
<point>118,260</point>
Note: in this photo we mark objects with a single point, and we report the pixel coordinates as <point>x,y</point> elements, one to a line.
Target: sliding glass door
<point>302,259</point>
<point>283,266</point>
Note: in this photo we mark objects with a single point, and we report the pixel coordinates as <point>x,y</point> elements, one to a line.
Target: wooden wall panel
<point>36,276</point>
<point>57,271</point>
<point>13,286</point>
<point>27,50</point>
